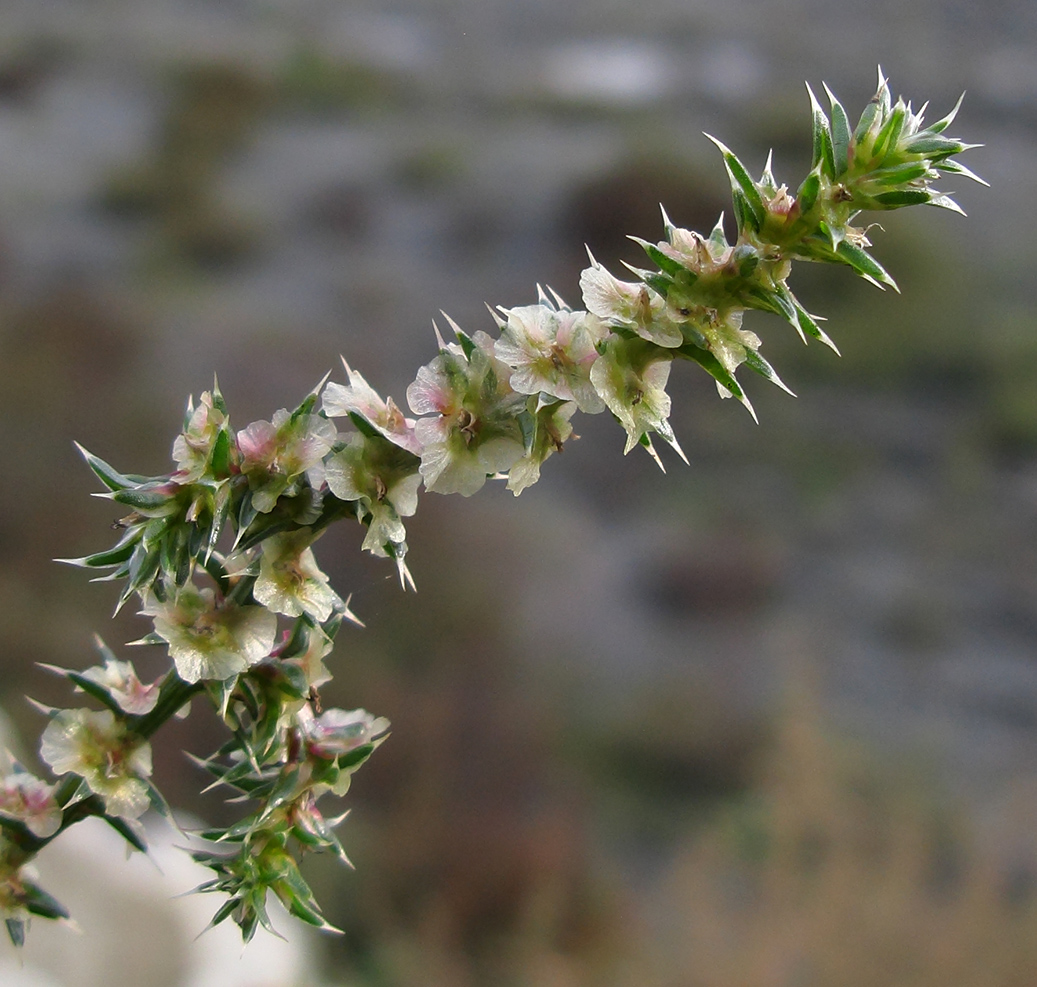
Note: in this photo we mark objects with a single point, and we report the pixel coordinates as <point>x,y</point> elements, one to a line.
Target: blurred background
<point>770,719</point>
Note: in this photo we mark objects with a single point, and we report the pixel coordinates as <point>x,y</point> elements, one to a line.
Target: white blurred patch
<point>611,71</point>
<point>731,71</point>
<point>135,933</point>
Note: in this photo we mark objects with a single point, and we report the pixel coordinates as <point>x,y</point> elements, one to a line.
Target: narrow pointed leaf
<point>821,155</point>
<point>941,125</point>
<point>897,198</point>
<point>16,931</point>
<point>899,174</point>
<point>759,365</point>
<point>222,913</point>
<point>808,326</point>
<point>956,168</point>
<point>933,144</point>
<point>886,141</point>
<point>717,371</point>
<point>741,181</point>
<point>717,241</point>
<point>667,264</point>
<point>42,903</point>
<point>807,194</point>
<point>111,478</point>
<point>868,117</point>
<point>127,832</point>
<point>946,202</point>
<point>111,557</point>
<point>840,135</point>
<point>865,265</point>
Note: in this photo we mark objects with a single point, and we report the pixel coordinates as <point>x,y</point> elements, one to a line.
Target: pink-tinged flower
<point>275,453</point>
<point>26,799</point>
<point>96,746</point>
<point>359,398</point>
<point>290,581</point>
<point>632,305</point>
<point>694,251</point>
<point>119,680</point>
<point>333,734</point>
<point>209,640</point>
<point>193,449</point>
<point>383,481</point>
<point>339,731</point>
<point>551,428</point>
<point>475,431</point>
<point>631,378</point>
<point>551,351</point>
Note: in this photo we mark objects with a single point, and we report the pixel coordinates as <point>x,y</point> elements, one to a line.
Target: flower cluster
<point>219,552</point>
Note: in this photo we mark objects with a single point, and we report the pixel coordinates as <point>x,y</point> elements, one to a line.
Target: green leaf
<point>821,156</point>
<point>666,263</point>
<point>766,300</point>
<point>111,478</point>
<point>868,117</point>
<point>956,168</point>
<point>659,283</point>
<point>759,365</point>
<point>98,692</point>
<point>840,135</point>
<point>931,144</point>
<point>716,240</point>
<point>865,265</point>
<point>807,194</point>
<point>941,125</point>
<point>767,182</point>
<point>886,141</point>
<point>248,922</point>
<point>40,902</point>
<point>126,832</point>
<point>899,174</point>
<point>309,402</point>
<point>746,258</point>
<point>16,931</point>
<point>147,501</point>
<point>246,515</point>
<point>144,566</point>
<point>218,401</point>
<point>717,371</point>
<point>111,557</point>
<point>223,912</point>
<point>363,426</point>
<point>467,344</point>
<point>293,682</point>
<point>158,802</point>
<point>897,198</point>
<point>170,550</point>
<point>743,214</point>
<point>946,202</point>
<point>352,760</point>
<point>219,464</point>
<point>807,325</point>
<point>286,785</point>
<point>741,182</point>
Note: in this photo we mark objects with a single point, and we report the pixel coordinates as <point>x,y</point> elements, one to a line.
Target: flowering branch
<point>219,552</point>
